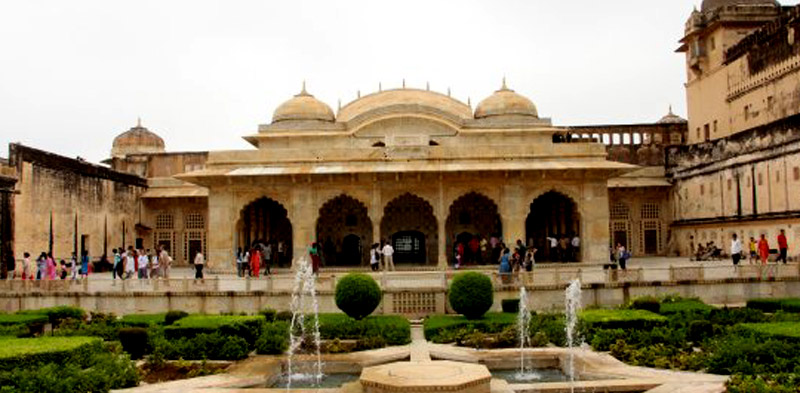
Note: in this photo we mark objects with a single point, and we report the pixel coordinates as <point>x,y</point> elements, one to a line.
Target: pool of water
<point>533,376</point>
<point>304,381</point>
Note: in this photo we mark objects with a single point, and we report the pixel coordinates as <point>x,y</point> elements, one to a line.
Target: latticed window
<point>165,221</point>
<point>620,211</point>
<point>651,210</point>
<point>195,221</point>
<point>164,238</point>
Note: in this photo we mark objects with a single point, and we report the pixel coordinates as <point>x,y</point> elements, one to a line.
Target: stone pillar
<point>512,213</point>
<point>442,255</point>
<point>221,218</point>
<point>301,213</point>
<point>594,219</point>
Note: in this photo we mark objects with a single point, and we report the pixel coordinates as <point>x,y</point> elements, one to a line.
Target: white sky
<point>74,74</point>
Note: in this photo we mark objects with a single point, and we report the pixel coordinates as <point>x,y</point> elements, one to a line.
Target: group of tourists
<point>522,259</point>
<point>564,248</point>
<point>46,268</point>
<point>262,254</point>
<point>381,256</point>
<point>759,250</point>
<point>619,256</point>
<point>142,264</point>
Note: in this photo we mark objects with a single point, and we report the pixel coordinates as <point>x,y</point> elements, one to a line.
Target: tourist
<point>199,262</point>
<point>783,247</point>
<point>753,250</point>
<point>530,259</point>
<point>117,259</point>
<point>763,249</point>
<point>267,257</point>
<point>64,271</point>
<point>736,249</point>
<point>474,249</point>
<point>255,261</point>
<point>576,246</point>
<point>51,267</point>
<point>388,259</point>
<point>521,250</point>
<point>552,252</point>
<point>313,252</point>
<point>73,266</point>
<point>484,250</point>
<point>84,264</point>
<point>622,256</point>
<point>130,263</point>
<point>165,260</point>
<point>155,265</point>
<point>246,264</point>
<point>505,265</point>
<point>26,266</point>
<point>41,266</point>
<point>281,252</point>
<point>459,254</point>
<point>239,262</point>
<point>142,264</point>
<point>375,257</point>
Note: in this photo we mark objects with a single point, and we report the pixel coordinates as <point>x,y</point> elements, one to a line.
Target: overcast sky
<point>74,74</point>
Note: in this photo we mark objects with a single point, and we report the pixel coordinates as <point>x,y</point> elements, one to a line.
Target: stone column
<point>301,213</point>
<point>442,255</point>
<point>594,219</point>
<point>221,219</point>
<point>512,214</point>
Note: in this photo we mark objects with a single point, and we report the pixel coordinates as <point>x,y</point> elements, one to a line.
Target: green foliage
<point>611,319</point>
<point>393,329</point>
<point>769,383</point>
<point>510,305</point>
<point>22,319</point>
<point>142,320</point>
<point>370,342</point>
<point>439,328</point>
<point>173,316</point>
<point>283,316</point>
<point>274,339</point>
<point>647,303</point>
<point>269,314</point>
<point>773,305</point>
<point>783,330</point>
<point>248,328</point>
<point>357,295</point>
<point>101,373</point>
<point>202,346</point>
<point>134,341</point>
<point>34,352</point>
<point>683,305</point>
<point>59,313</point>
<point>106,328</point>
<point>699,330</point>
<point>471,294</point>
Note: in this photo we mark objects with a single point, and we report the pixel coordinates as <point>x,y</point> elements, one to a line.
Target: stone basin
<point>447,376</point>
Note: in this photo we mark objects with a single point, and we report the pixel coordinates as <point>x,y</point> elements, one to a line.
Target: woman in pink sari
<point>51,267</point>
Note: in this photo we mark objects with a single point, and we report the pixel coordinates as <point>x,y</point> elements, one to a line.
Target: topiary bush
<point>471,294</point>
<point>647,303</point>
<point>269,314</point>
<point>510,305</point>
<point>173,316</point>
<point>357,295</point>
<point>134,341</point>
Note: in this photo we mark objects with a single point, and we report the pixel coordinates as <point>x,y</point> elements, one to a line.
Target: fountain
<point>524,334</point>
<point>304,295</point>
<point>573,306</point>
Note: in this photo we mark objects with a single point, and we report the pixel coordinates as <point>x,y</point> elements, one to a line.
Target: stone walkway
<point>419,345</point>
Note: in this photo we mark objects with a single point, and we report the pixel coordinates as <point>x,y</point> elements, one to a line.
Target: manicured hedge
<point>395,330</point>
<point>274,340</point>
<point>783,330</point>
<point>684,305</point>
<point>471,294</point>
<point>34,352</point>
<point>357,295</point>
<point>22,319</point>
<point>142,320</point>
<point>213,346</point>
<point>437,325</point>
<point>105,372</point>
<point>247,327</point>
<point>58,314</point>
<point>612,319</point>
<point>773,305</point>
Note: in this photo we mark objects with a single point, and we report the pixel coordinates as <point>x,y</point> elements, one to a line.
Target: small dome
<point>505,102</point>
<point>710,5</point>
<point>303,106</point>
<point>135,141</point>
<point>671,118</point>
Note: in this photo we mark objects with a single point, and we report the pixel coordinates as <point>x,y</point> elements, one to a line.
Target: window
<point>760,179</point>
<point>195,221</point>
<point>730,184</point>
<point>620,211</point>
<point>698,132</point>
<point>165,221</point>
<point>651,210</point>
<point>702,189</point>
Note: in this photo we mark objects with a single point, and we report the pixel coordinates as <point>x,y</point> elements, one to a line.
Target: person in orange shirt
<point>255,261</point>
<point>763,249</point>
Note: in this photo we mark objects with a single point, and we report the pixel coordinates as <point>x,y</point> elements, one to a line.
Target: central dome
<point>137,140</point>
<point>303,106</point>
<point>405,100</point>
<point>710,5</point>
<point>505,102</point>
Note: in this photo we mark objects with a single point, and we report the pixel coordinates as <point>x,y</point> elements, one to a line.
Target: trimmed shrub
<point>274,340</point>
<point>213,346</point>
<point>31,353</point>
<point>134,341</point>
<point>471,294</point>
<point>782,330</point>
<point>173,316</point>
<point>393,329</point>
<point>248,328</point>
<point>103,373</point>
<point>622,319</point>
<point>22,319</point>
<point>765,305</point>
<point>700,330</point>
<point>510,305</point>
<point>357,295</point>
<point>283,316</point>
<point>647,303</point>
<point>142,320</point>
<point>441,328</point>
<point>684,306</point>
<point>269,314</point>
<point>59,313</point>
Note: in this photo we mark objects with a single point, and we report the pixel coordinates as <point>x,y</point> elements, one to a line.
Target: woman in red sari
<point>255,262</point>
<point>763,249</point>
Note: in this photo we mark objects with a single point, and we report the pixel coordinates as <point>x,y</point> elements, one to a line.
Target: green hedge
<point>684,305</point>
<point>142,320</point>
<point>213,346</point>
<point>58,314</point>
<point>395,330</point>
<point>105,371</point>
<point>471,294</point>
<point>35,352</point>
<point>773,305</point>
<point>248,328</point>
<point>612,319</point>
<point>438,326</point>
<point>357,295</point>
<point>274,340</point>
<point>783,330</point>
<point>22,319</point>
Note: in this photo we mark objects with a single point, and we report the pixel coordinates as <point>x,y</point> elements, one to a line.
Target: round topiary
<point>357,295</point>
<point>471,294</point>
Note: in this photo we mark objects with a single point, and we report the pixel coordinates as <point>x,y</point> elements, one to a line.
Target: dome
<point>710,5</point>
<point>303,106</point>
<point>137,140</point>
<point>405,100</point>
<point>671,118</point>
<point>505,102</point>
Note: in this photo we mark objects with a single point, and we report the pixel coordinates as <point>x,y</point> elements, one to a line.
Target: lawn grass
<point>30,352</point>
<point>611,319</point>
<point>684,305</point>
<point>142,320</point>
<point>785,330</point>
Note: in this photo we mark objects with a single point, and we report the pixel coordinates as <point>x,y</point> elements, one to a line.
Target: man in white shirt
<point>388,262</point>
<point>736,249</point>
<point>143,264</point>
<point>576,245</point>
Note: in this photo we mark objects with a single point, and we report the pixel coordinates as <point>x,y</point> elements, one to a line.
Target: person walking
<point>313,252</point>
<point>26,266</point>
<point>736,249</point>
<point>267,257</point>
<point>114,268</point>
<point>388,259</point>
<point>155,264</point>
<point>783,247</point>
<point>41,266</point>
<point>763,249</point>
<point>239,262</point>
<point>255,262</point>
<point>84,264</point>
<point>51,267</point>
<point>130,263</point>
<point>375,258</point>
<point>143,262</point>
<point>166,262</point>
<point>753,246</point>
<point>622,256</point>
<point>199,262</point>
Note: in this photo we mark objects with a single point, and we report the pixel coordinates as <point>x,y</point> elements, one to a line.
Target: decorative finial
<point>358,93</point>
<point>428,86</point>
<point>670,109</point>
<point>380,86</point>
<point>448,92</point>
<point>340,104</point>
<point>138,122</point>
<point>469,103</point>
<point>303,91</point>
<point>404,83</point>
<point>504,86</point>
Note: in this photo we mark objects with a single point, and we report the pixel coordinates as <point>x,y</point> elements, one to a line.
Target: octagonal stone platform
<point>439,376</point>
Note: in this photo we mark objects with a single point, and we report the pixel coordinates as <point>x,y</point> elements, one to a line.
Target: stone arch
<point>265,220</point>
<point>472,215</point>
<point>553,214</point>
<point>344,231</point>
<point>410,224</point>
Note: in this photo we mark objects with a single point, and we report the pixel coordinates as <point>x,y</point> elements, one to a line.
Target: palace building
<point>423,170</point>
